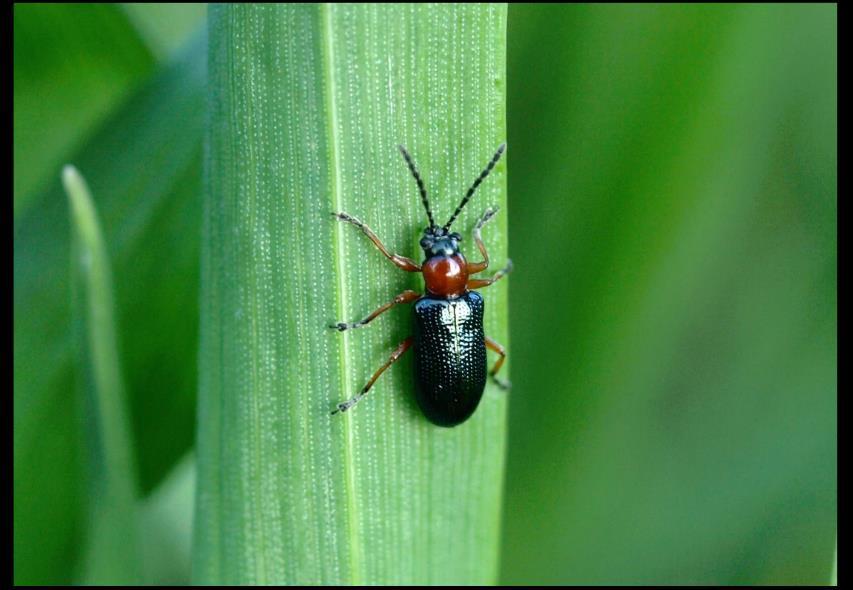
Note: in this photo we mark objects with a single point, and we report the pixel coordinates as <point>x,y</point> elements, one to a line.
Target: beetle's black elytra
<point>450,367</point>
<point>449,342</point>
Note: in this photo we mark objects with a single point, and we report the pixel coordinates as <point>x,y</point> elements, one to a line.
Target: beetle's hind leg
<point>492,345</point>
<point>398,352</point>
<point>406,296</point>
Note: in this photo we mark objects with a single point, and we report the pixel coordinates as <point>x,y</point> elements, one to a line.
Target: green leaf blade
<point>308,105</point>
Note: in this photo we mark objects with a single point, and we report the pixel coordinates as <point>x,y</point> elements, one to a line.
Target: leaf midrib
<point>335,173</point>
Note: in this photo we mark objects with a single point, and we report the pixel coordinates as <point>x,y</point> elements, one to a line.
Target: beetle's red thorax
<point>446,276</point>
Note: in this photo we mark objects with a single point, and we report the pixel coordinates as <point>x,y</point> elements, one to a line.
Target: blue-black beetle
<point>450,345</point>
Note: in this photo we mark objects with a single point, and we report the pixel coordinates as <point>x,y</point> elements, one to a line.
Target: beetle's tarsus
<point>342,326</point>
<point>490,212</point>
<point>503,272</point>
<point>504,384</point>
<point>344,406</point>
<point>341,216</point>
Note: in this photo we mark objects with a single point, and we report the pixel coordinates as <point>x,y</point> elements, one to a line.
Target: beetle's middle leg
<point>406,264</point>
<point>406,296</point>
<point>398,352</point>
<point>478,283</point>
<point>492,345</point>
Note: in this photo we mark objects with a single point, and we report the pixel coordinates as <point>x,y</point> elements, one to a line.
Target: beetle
<point>448,340</point>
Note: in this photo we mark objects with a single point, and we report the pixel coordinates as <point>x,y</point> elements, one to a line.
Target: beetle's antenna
<point>477,182</point>
<point>420,182</point>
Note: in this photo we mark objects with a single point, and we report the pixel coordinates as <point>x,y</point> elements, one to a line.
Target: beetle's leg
<point>404,297</point>
<point>475,267</point>
<point>478,283</point>
<point>398,352</point>
<point>492,345</point>
<point>406,264</point>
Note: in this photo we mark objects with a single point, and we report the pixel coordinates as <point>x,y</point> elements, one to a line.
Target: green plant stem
<point>307,106</point>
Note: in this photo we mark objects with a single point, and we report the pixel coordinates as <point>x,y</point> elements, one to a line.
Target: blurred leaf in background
<point>144,162</point>
<point>72,65</point>
<point>673,221</point>
<point>165,27</point>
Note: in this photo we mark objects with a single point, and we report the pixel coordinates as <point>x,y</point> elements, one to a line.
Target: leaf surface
<point>307,106</point>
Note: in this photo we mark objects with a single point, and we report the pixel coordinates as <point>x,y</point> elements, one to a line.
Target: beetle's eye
<point>426,242</point>
<point>456,237</point>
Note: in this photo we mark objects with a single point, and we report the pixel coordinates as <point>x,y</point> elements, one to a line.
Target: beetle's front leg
<point>492,345</point>
<point>475,267</point>
<point>406,264</point>
<point>405,297</point>
<point>398,352</point>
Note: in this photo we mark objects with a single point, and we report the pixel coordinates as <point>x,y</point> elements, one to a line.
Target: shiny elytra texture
<point>450,357</point>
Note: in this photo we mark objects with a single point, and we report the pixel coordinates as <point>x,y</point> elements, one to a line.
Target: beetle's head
<point>437,241</point>
<point>440,241</point>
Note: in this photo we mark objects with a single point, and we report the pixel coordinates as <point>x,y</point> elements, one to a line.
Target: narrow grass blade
<point>112,543</point>
<point>307,106</point>
<point>145,165</point>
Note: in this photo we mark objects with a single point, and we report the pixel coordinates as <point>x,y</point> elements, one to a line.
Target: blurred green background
<point>673,214</point>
